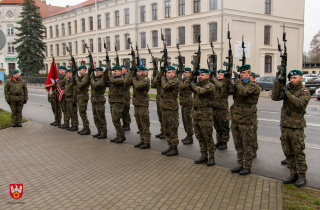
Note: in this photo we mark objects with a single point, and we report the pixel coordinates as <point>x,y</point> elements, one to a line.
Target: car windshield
<point>312,79</point>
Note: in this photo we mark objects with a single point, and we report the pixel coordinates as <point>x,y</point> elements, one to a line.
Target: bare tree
<point>314,52</point>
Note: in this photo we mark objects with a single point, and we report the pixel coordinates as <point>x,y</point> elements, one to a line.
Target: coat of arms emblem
<point>16,190</point>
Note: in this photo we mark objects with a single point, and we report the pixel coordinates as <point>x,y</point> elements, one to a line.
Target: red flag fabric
<point>52,80</point>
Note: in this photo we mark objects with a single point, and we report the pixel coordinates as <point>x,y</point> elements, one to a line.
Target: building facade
<point>260,22</point>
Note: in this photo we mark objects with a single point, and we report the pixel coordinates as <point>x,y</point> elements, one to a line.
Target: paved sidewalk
<point>62,170</point>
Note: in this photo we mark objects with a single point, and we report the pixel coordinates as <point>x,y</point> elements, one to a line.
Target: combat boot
<point>120,139</point>
<point>145,146</point>
<point>73,128</point>
<point>158,135</point>
<point>182,140</point>
<point>53,123</point>
<point>65,126</point>
<point>302,181</point>
<point>102,136</point>
<point>96,135</point>
<point>218,144</point>
<point>85,132</point>
<point>201,160</point>
<point>126,128</point>
<point>291,179</point>
<point>173,152</point>
<point>139,144</point>
<point>188,140</point>
<point>19,124</point>
<point>236,169</point>
<point>223,146</point>
<point>59,126</point>
<point>162,136</point>
<point>254,154</point>
<point>245,171</point>
<point>284,162</point>
<point>138,132</point>
<point>211,161</point>
<point>78,132</point>
<point>166,151</point>
<point>14,125</point>
<point>114,140</point>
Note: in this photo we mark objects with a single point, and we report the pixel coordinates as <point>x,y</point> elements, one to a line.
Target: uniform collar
<point>296,87</point>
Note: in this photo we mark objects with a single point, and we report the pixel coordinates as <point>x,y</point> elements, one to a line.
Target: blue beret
<point>117,68</point>
<point>203,71</point>
<point>99,69</point>
<point>294,72</point>
<point>15,71</point>
<point>221,71</point>
<point>169,68</point>
<point>187,69</point>
<point>62,67</point>
<point>82,67</point>
<point>68,70</point>
<point>124,66</point>
<point>245,67</point>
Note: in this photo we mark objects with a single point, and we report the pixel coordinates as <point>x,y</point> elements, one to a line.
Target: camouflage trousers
<point>243,138</point>
<point>83,104</point>
<point>16,111</point>
<point>53,107</point>
<point>116,110</point>
<point>63,105</point>
<point>126,118</point>
<point>255,145</point>
<point>160,116</point>
<point>141,113</point>
<point>203,131</point>
<point>170,120</point>
<point>99,117</point>
<point>72,114</point>
<point>292,141</point>
<point>221,125</point>
<point>186,112</point>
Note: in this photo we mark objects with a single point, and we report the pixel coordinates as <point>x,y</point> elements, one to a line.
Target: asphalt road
<point>269,154</point>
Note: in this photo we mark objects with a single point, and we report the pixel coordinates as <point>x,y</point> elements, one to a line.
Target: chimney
<point>67,6</point>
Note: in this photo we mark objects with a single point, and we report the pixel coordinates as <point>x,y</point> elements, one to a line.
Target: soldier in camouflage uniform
<point>63,104</point>
<point>243,114</point>
<point>140,100</point>
<point>52,100</point>
<point>83,98</point>
<point>71,100</point>
<point>202,115</point>
<point>16,94</point>
<point>255,145</point>
<point>220,109</point>
<point>117,100</point>
<point>186,103</point>
<point>156,83</point>
<point>295,100</point>
<point>170,108</point>
<point>126,119</point>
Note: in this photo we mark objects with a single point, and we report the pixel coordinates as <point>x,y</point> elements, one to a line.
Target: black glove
<point>226,75</point>
<point>9,103</point>
<point>48,99</point>
<point>162,68</point>
<point>74,104</point>
<point>54,86</point>
<point>192,83</point>
<point>282,79</point>
<point>236,75</point>
<point>24,101</point>
<point>284,88</point>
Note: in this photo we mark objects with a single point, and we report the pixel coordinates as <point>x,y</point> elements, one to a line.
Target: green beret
<point>68,70</point>
<point>62,67</point>
<point>141,68</point>
<point>15,71</point>
<point>294,72</point>
<point>99,69</point>
<point>124,66</point>
<point>82,67</point>
<point>245,67</point>
<point>117,68</point>
<point>221,71</point>
<point>187,69</point>
<point>253,74</point>
<point>145,69</point>
<point>203,71</point>
<point>169,68</point>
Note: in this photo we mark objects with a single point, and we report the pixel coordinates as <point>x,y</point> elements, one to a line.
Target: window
<point>267,35</point>
<point>213,4</point>
<point>155,11</point>
<point>182,7</point>
<point>99,44</point>
<point>91,44</point>
<point>126,37</point>
<point>10,47</point>
<point>83,47</point>
<point>76,44</point>
<point>126,62</point>
<point>46,50</point>
<point>10,29</point>
<point>63,48</point>
<point>51,50</point>
<point>117,37</point>
<point>154,38</point>
<point>168,37</point>
<point>83,21</point>
<point>64,64</point>
<point>69,28</point>
<point>57,49</point>
<point>91,23</point>
<point>126,14</point>
<point>108,20</point>
<point>211,61</point>
<point>213,33</point>
<point>196,33</point>
<point>51,32</point>
<point>144,61</point>
<point>143,40</point>
<point>142,14</point>
<point>108,43</point>
<point>268,64</point>
<point>167,9</point>
<point>47,68</point>
<point>196,6</point>
<point>45,33</point>
<point>267,7</point>
<point>182,36</point>
<point>57,31</point>
<point>63,29</point>
<point>75,27</point>
<point>70,46</point>
<point>116,13</point>
<point>99,21</point>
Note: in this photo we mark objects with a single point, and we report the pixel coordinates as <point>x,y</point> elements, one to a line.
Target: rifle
<point>107,60</point>
<point>212,67</point>
<point>180,65</point>
<point>196,63</point>
<point>243,60</point>
<point>229,64</point>
<point>74,65</point>
<point>284,57</point>
<point>154,62</point>
<point>164,58</point>
<point>117,58</point>
<point>91,66</point>
<point>133,55</point>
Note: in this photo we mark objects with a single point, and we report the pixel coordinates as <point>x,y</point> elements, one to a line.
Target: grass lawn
<point>5,119</point>
<point>294,198</point>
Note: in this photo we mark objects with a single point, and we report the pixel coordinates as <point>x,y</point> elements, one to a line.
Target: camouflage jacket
<point>127,87</point>
<point>156,83</point>
<point>98,89</point>
<point>83,84</point>
<point>15,91</point>
<point>70,90</point>
<point>116,88</point>
<point>169,98</point>
<point>221,94</point>
<point>62,81</point>
<point>141,86</point>
<point>185,98</point>
<point>245,96</point>
<point>295,102</point>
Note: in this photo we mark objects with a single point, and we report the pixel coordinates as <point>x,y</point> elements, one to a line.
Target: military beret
<point>200,71</point>
<point>294,72</point>
<point>124,66</point>
<point>99,69</point>
<point>62,67</point>
<point>253,74</point>
<point>245,67</point>
<point>221,71</point>
<point>145,69</point>
<point>82,67</point>
<point>169,68</point>
<point>187,69</point>
<point>117,68</point>
<point>15,71</point>
<point>68,70</point>
<point>141,68</point>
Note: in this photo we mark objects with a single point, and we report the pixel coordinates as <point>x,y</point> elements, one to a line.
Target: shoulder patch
<point>306,90</point>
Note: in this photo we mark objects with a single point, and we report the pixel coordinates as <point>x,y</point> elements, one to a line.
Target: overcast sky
<point>312,17</point>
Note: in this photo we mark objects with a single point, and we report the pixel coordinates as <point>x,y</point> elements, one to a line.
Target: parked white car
<point>307,77</point>
<point>318,93</point>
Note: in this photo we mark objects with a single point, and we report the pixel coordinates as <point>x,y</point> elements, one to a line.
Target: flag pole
<point>55,88</point>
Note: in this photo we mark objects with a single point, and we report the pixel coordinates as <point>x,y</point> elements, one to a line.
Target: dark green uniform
<point>126,118</point>
<point>83,98</point>
<point>53,102</point>
<point>156,83</point>
<point>62,83</point>
<point>71,102</point>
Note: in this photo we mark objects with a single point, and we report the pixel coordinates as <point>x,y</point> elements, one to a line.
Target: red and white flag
<point>52,80</point>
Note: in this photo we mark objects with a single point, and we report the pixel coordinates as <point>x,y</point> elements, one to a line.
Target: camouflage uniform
<point>16,92</point>
<point>243,114</point>
<point>71,98</point>
<point>62,83</point>
<point>140,100</point>
<point>186,103</point>
<point>156,83</point>
<point>126,118</point>
<point>83,98</point>
<point>220,109</point>
<point>116,100</point>
<point>292,123</point>
<point>53,102</point>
